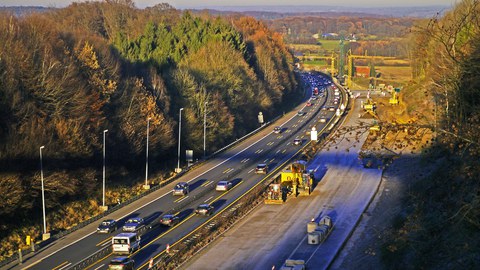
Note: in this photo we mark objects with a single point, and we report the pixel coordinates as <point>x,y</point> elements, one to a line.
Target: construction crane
<point>331,58</point>
<point>352,57</point>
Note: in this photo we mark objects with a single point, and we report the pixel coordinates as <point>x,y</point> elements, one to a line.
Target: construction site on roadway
<point>271,234</point>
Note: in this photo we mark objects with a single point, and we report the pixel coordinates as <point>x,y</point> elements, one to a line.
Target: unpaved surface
<point>273,233</point>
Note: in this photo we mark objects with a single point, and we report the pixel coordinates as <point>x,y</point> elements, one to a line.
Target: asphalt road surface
<point>236,164</point>
<point>273,233</point>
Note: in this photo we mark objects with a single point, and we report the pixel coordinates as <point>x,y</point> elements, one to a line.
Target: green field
<point>325,47</point>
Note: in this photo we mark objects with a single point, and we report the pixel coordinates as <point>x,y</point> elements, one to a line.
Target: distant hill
<point>275,12</point>
<point>24,10</point>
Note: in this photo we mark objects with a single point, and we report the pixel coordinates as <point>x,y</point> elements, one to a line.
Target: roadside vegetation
<point>68,74</point>
<point>440,228</point>
<point>438,117</point>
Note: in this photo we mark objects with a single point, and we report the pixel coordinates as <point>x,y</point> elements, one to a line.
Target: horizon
<point>237,4</point>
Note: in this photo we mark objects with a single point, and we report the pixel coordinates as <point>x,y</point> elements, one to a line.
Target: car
<point>204,209</point>
<point>297,141</point>
<point>309,104</point>
<point>332,109</point>
<point>262,168</point>
<point>301,113</point>
<point>313,98</point>
<point>121,263</point>
<point>181,189</point>
<point>223,185</point>
<point>324,108</point>
<point>277,130</point>
<point>107,226</point>
<point>133,224</point>
<point>323,120</point>
<point>169,220</point>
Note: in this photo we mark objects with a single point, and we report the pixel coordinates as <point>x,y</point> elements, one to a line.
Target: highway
<point>237,165</point>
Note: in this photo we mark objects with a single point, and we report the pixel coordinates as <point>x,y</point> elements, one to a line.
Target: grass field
<point>396,76</point>
<point>326,47</point>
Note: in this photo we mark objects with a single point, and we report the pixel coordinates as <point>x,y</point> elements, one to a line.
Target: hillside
<point>66,75</point>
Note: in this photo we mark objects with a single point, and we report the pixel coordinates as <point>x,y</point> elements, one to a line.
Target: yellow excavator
<point>294,180</point>
<point>370,106</point>
<point>394,99</point>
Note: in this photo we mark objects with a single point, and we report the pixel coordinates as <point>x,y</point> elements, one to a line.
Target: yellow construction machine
<point>370,106</point>
<point>394,99</point>
<point>294,180</point>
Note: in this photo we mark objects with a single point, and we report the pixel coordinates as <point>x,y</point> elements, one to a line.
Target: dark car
<point>204,209</point>
<point>277,130</point>
<point>301,113</point>
<point>297,141</point>
<point>121,263</point>
<point>170,220</point>
<point>133,224</point>
<point>262,168</point>
<point>107,226</point>
<point>181,188</point>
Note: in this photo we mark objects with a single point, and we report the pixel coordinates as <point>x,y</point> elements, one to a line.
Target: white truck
<point>293,265</point>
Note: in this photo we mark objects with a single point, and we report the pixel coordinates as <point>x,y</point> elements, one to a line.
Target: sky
<point>208,3</point>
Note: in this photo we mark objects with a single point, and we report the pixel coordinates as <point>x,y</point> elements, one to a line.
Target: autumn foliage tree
<point>68,74</point>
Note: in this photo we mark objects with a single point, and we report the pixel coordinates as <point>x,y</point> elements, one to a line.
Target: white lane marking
<point>250,171</point>
<point>260,151</point>
<point>68,264</point>
<point>182,199</point>
<point>99,267</point>
<point>161,196</point>
<point>278,151</point>
<point>208,199</point>
<point>265,161</point>
<point>106,243</point>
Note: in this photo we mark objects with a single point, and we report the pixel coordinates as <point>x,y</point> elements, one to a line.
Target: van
<point>125,243</point>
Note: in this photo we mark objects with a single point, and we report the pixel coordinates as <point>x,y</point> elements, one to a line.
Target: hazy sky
<point>206,3</point>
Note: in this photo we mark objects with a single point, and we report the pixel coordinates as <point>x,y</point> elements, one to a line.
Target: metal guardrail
<point>92,259</point>
<point>231,210</point>
<point>37,246</point>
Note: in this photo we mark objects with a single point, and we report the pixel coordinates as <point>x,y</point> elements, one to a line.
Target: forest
<point>68,74</point>
<point>440,224</point>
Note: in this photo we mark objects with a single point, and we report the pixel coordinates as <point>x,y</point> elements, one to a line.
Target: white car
<point>297,141</point>
<point>223,186</point>
<point>323,120</point>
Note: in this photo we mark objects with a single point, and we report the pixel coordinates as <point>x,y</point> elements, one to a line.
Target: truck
<point>295,179</point>
<point>318,232</point>
<point>293,265</point>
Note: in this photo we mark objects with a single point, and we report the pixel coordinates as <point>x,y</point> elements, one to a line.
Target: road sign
<point>260,118</point>
<point>189,155</point>
<point>314,134</point>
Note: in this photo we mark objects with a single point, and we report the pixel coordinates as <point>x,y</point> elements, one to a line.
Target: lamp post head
<point>105,131</point>
<point>43,146</point>
<point>181,109</point>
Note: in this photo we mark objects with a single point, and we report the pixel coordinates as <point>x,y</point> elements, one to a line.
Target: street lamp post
<point>104,207</point>
<point>45,235</point>
<point>147,186</point>
<point>179,137</point>
<point>205,130</point>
